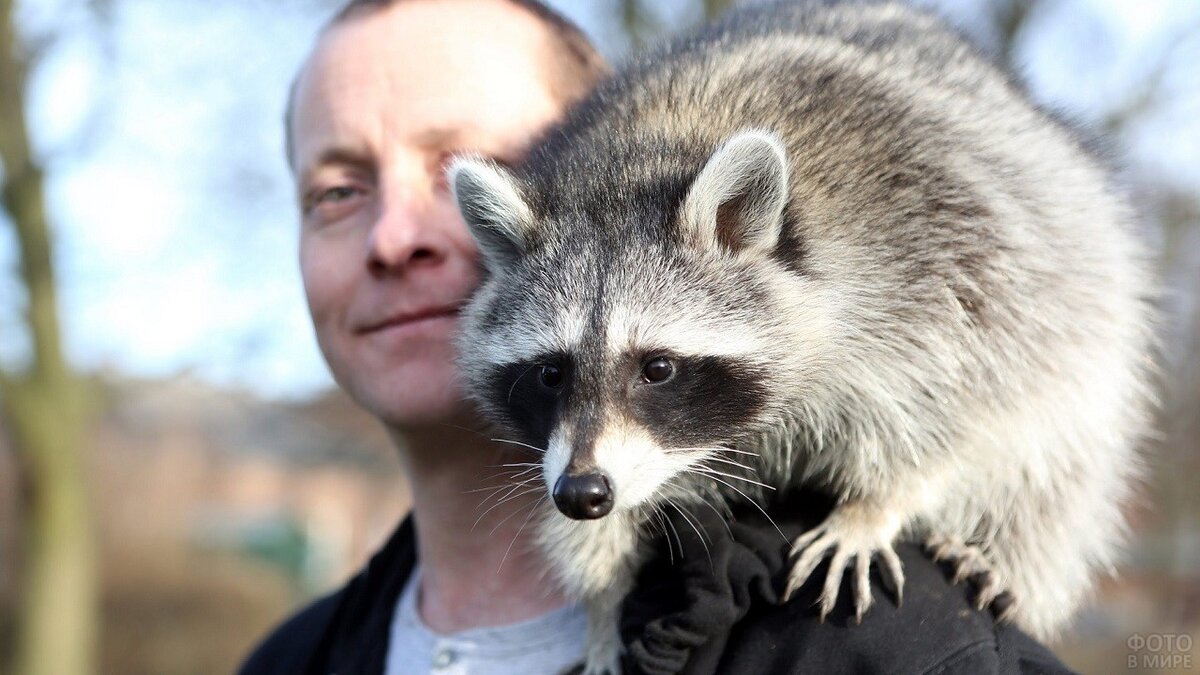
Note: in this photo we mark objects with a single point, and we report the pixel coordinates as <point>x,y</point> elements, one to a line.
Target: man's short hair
<point>572,75</point>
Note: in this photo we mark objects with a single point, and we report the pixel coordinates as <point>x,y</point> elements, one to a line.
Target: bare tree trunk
<point>714,8</point>
<point>635,21</point>
<point>56,628</point>
<point>1010,17</point>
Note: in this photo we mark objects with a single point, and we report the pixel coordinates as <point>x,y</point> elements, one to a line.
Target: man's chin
<point>405,393</point>
<point>405,410</point>
<point>445,418</point>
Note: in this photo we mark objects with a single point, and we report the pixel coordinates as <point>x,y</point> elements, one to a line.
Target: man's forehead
<point>427,42</point>
<point>428,63</point>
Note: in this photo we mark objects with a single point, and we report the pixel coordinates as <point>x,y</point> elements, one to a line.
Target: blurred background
<point>177,471</point>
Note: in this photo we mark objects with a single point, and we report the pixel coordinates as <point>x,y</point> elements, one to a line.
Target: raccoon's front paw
<point>857,533</point>
<point>970,563</point>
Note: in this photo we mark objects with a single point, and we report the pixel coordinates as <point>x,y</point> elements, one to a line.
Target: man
<point>390,92</point>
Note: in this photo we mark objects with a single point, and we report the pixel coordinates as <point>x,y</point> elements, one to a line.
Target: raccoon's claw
<point>892,573</point>
<point>854,533</point>
<point>971,565</point>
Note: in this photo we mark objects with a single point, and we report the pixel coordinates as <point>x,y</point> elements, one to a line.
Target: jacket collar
<point>688,597</point>
<point>357,640</point>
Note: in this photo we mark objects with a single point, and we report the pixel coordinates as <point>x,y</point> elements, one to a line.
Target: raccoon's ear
<point>493,208</point>
<point>737,201</point>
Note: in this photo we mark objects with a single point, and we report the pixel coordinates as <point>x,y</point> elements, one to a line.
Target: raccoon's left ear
<point>737,201</point>
<point>495,212</point>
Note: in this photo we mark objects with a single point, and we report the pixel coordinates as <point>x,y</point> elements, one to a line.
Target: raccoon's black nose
<point>584,497</point>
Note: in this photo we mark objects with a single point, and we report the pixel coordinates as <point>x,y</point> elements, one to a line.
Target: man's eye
<point>336,194</point>
<point>330,197</point>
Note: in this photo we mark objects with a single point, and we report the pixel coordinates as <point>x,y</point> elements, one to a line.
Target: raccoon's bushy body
<point>950,325</point>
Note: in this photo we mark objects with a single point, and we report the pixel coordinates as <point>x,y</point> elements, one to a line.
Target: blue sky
<point>172,207</point>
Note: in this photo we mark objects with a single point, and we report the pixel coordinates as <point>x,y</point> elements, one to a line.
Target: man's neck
<point>479,567</point>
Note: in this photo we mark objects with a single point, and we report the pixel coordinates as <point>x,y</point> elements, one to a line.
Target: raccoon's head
<point>635,354</point>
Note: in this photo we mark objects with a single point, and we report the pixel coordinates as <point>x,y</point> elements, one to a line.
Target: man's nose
<point>403,235</point>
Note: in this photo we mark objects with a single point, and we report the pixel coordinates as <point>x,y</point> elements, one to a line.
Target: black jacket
<point>714,609</point>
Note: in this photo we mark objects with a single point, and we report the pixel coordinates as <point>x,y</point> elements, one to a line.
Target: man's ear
<point>736,202</point>
<point>495,212</point>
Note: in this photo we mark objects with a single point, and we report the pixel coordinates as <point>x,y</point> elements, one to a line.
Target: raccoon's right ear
<point>491,204</point>
<point>737,201</point>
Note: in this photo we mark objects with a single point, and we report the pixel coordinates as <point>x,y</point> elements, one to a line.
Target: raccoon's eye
<point>658,370</point>
<point>551,377</point>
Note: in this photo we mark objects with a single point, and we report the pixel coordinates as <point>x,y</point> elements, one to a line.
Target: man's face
<point>387,97</point>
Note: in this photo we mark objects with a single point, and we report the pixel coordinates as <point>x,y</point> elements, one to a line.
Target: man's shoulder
<point>345,631</point>
<point>291,646</point>
<point>716,605</point>
<point>935,630</point>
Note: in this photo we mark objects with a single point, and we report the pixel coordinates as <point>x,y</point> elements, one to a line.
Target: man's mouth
<point>411,318</point>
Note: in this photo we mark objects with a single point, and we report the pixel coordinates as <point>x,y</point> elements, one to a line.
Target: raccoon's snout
<point>584,497</point>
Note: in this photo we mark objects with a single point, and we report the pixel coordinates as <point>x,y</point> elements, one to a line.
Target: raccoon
<point>824,245</point>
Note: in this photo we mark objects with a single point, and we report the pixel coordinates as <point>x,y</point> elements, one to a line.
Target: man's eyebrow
<point>339,155</point>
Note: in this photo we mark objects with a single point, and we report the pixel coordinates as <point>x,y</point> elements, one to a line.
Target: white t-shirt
<point>544,645</point>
